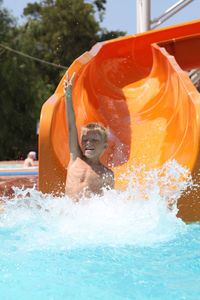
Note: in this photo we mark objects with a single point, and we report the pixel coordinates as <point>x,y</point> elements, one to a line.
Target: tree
<point>21,92</point>
<point>56,31</point>
<point>66,29</point>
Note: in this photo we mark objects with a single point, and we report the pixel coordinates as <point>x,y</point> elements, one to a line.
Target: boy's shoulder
<point>108,177</point>
<point>108,172</point>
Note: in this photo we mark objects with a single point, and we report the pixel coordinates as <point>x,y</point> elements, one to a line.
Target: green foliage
<point>100,4</point>
<point>19,106</point>
<point>22,92</point>
<point>56,31</point>
<point>108,35</point>
<point>65,29</point>
<point>6,23</point>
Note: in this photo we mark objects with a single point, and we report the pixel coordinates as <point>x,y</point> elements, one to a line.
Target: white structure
<point>144,22</point>
<point>143,15</point>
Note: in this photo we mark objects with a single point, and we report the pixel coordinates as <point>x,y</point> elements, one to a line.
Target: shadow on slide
<point>138,88</point>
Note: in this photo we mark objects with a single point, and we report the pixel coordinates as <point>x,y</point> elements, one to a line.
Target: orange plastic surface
<point>137,87</point>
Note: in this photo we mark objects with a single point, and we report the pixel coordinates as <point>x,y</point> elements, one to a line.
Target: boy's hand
<point>68,85</point>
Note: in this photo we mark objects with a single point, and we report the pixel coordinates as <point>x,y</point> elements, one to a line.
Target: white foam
<point>43,221</point>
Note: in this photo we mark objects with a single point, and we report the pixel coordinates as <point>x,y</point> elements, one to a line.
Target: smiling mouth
<point>89,149</point>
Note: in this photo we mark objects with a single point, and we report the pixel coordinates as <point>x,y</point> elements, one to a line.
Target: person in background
<point>29,161</point>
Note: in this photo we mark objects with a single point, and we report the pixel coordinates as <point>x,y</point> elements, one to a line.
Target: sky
<point>121,14</point>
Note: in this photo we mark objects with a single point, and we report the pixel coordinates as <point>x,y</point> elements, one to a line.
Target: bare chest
<point>80,175</point>
<point>83,173</point>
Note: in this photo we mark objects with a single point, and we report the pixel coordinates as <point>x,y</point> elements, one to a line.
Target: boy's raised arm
<point>74,147</point>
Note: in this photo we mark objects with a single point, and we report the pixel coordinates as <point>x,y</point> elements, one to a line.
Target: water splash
<point>138,216</point>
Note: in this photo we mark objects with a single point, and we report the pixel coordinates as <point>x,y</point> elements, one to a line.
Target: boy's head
<point>93,139</point>
<point>97,127</point>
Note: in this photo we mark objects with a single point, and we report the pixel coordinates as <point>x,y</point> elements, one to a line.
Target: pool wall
<point>20,177</point>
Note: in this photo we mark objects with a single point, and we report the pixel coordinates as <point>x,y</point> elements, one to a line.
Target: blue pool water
<point>101,248</point>
<point>15,170</point>
<point>17,166</point>
<point>18,173</point>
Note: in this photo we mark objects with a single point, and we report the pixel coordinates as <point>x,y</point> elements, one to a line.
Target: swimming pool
<point>17,169</point>
<point>101,248</point>
<point>19,173</point>
<point>11,166</point>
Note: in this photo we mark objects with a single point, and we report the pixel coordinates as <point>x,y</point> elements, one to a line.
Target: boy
<point>86,175</point>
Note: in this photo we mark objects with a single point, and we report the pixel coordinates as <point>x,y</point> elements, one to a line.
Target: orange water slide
<point>138,88</point>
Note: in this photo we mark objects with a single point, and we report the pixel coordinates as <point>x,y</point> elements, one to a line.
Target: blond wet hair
<point>99,127</point>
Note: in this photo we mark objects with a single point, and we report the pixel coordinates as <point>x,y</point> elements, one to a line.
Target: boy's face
<point>93,144</point>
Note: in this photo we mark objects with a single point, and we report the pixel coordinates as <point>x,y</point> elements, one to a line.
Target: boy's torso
<point>83,179</point>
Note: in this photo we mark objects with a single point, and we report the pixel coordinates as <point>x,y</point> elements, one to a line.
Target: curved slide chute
<point>138,88</point>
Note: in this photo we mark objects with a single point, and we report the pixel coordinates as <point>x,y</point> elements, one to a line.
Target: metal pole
<point>170,12</point>
<point>143,15</point>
